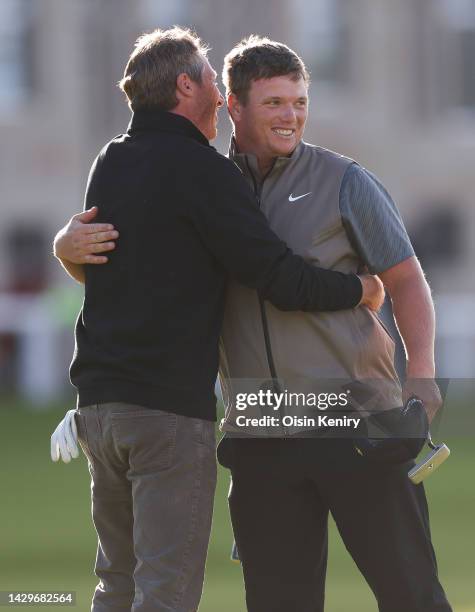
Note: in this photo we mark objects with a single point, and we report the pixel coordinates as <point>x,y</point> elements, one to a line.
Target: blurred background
<point>393,86</point>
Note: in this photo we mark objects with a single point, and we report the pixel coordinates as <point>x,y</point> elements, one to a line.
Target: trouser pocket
<point>81,426</point>
<point>147,436</point>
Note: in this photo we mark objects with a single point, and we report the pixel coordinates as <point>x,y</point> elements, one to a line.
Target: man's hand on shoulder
<point>373,292</point>
<point>80,241</point>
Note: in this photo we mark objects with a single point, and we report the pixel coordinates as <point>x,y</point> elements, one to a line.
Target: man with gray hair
<point>147,335</point>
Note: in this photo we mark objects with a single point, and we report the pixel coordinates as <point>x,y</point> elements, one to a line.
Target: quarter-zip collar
<point>164,121</point>
<point>247,162</point>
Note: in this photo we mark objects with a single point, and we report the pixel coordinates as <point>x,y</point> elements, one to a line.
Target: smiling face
<point>272,121</point>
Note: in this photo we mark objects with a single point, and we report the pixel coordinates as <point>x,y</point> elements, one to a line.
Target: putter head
<point>427,466</point>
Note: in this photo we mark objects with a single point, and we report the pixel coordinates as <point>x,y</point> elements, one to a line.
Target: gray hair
<point>158,58</point>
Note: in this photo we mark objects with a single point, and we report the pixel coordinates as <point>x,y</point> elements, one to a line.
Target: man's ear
<point>184,86</point>
<point>234,107</point>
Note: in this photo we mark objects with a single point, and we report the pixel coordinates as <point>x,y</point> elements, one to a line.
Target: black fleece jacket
<point>149,328</point>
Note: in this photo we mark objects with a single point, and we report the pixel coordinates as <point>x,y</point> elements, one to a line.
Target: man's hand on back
<point>373,292</point>
<point>80,240</point>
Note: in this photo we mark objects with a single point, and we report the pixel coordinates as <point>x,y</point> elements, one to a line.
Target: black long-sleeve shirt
<point>149,328</point>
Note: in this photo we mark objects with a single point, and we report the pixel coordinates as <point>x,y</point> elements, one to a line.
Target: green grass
<point>47,541</point>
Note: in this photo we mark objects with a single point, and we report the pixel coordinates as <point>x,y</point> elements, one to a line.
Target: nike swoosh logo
<point>292,199</point>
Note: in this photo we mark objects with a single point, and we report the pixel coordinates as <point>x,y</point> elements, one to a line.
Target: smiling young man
<point>336,214</point>
<point>272,119</point>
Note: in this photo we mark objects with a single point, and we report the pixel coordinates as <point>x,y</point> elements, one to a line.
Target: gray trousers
<point>153,479</point>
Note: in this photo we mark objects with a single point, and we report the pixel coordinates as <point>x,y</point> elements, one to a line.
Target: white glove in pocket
<point>64,440</point>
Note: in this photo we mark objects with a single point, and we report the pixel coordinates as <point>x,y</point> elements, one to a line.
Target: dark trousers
<point>153,478</point>
<point>282,492</point>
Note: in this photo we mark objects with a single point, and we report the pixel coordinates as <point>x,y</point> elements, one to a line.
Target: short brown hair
<point>256,58</point>
<point>158,58</point>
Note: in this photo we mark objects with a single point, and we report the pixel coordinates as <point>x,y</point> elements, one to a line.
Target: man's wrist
<point>425,369</point>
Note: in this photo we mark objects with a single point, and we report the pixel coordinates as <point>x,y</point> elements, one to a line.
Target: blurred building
<point>393,86</point>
